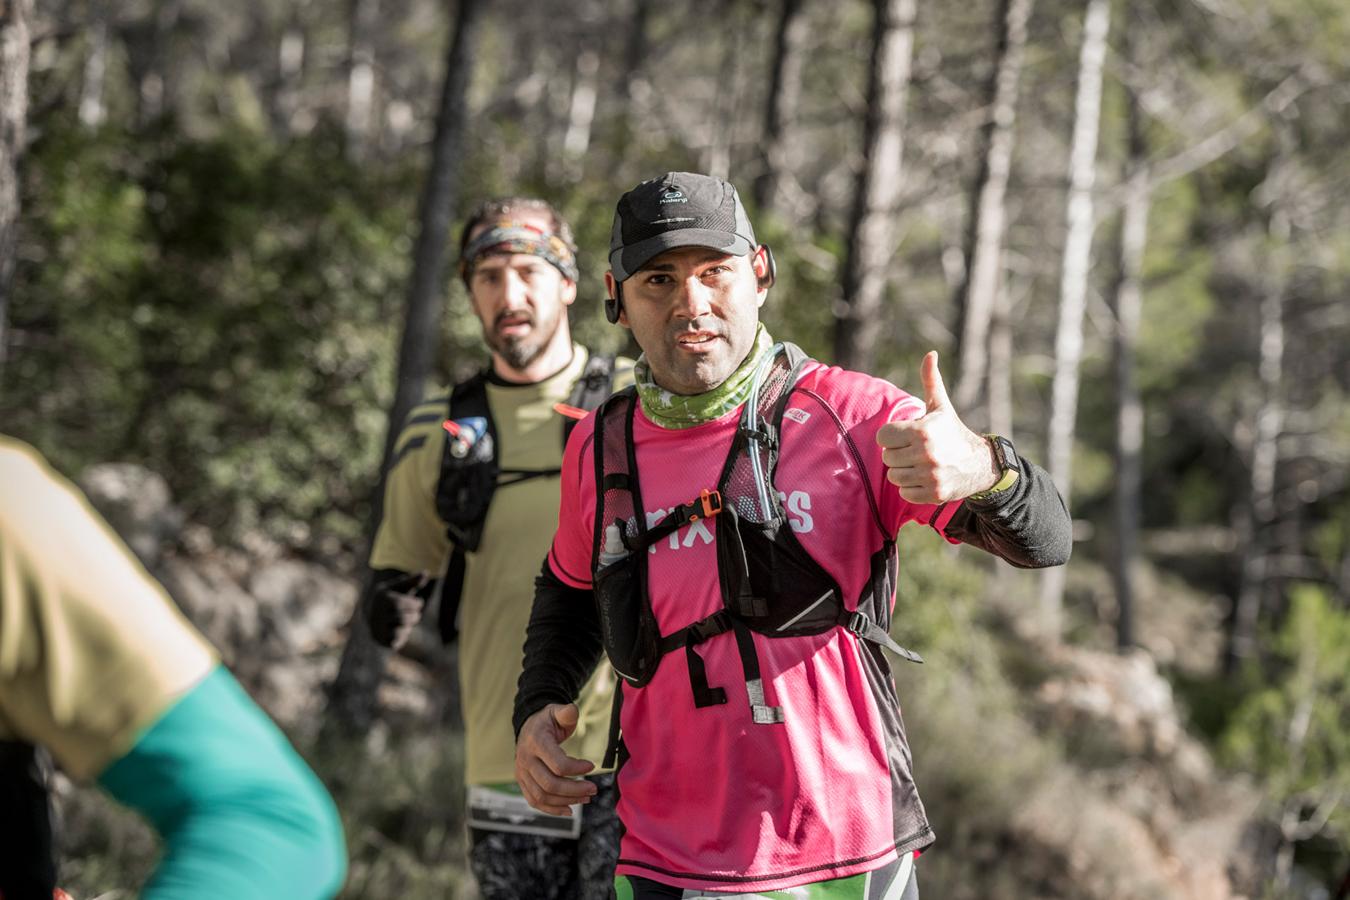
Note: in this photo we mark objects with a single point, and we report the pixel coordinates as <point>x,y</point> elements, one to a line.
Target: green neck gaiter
<point>677,411</point>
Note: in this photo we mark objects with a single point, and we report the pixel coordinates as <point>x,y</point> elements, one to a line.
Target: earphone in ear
<point>613,305</point>
<point>771,275</point>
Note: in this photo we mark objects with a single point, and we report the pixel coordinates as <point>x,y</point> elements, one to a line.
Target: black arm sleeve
<point>562,646</point>
<point>1028,524</point>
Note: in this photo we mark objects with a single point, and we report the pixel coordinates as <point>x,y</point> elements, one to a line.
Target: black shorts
<point>511,866</point>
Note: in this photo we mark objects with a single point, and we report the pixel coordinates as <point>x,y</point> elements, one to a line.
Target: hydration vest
<point>470,473</point>
<point>769,584</point>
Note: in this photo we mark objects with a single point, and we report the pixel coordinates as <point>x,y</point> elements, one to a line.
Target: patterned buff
<point>507,236</point>
<point>676,411</point>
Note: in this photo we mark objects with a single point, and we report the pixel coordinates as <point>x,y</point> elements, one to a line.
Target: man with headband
<point>470,506</point>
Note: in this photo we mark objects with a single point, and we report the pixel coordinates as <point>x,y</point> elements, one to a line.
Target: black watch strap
<point>1005,457</point>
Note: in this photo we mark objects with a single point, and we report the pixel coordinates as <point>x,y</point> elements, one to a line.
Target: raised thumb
<point>934,391</point>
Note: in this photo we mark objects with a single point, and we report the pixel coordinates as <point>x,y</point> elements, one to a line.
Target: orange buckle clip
<point>711,501</point>
<point>572,412</point>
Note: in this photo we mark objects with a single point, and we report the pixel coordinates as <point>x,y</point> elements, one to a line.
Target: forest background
<point>225,256</point>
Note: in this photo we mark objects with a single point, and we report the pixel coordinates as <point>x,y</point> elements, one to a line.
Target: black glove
<point>396,604</point>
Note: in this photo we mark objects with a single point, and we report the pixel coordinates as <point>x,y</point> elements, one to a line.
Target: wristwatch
<point>1005,457</point>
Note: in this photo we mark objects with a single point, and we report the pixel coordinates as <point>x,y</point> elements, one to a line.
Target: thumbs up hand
<point>936,458</point>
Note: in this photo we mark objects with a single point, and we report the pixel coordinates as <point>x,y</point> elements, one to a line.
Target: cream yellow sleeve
<point>92,650</point>
<point>411,536</point>
<point>623,372</point>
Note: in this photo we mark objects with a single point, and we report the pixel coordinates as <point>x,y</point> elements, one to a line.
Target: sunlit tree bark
<point>359,119</point>
<point>14,55</point>
<point>92,110</point>
<point>1127,304</point>
<point>1260,511</point>
<point>780,103</point>
<point>1076,264</point>
<point>981,284</point>
<point>871,232</point>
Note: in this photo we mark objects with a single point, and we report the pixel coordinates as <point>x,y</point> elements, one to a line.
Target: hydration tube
<point>752,424</point>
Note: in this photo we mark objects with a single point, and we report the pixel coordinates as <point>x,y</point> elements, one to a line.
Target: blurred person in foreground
<point>727,537</point>
<point>470,506</point>
<point>99,668</point>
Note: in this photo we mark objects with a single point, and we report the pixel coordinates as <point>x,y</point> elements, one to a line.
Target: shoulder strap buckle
<point>765,434</point>
<point>718,623</point>
<point>857,624</point>
<point>709,501</point>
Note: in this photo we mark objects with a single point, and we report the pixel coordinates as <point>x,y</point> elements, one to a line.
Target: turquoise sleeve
<point>240,813</point>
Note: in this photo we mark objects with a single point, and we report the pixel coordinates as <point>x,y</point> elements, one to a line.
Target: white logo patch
<point>797,504</point>
<point>674,195</point>
<point>797,415</point>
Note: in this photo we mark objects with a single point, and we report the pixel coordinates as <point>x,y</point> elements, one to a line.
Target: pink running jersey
<point>709,799</point>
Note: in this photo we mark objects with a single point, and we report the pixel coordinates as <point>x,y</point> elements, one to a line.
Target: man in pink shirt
<point>727,536</point>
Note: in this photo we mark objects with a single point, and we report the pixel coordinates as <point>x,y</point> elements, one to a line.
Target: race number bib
<point>495,809</point>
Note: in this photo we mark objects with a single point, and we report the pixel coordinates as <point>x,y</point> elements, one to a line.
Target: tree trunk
<point>780,108</point>
<point>635,47</point>
<point>999,373</point>
<point>352,696</point>
<point>1128,300</point>
<point>14,52</point>
<point>581,112</point>
<point>980,286</point>
<point>285,95</point>
<point>92,110</point>
<point>362,18</point>
<point>726,101</point>
<point>871,233</point>
<point>1260,510</point>
<point>632,86</point>
<point>1074,281</point>
<point>153,75</point>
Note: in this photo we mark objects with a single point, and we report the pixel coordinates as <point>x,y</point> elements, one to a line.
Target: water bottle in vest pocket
<point>629,632</point>
<point>468,479</point>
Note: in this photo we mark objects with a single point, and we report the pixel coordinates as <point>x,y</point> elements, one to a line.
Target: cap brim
<point>626,261</point>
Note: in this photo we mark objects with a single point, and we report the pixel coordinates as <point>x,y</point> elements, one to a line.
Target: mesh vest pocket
<point>629,632</point>
<point>770,582</point>
<point>465,490</point>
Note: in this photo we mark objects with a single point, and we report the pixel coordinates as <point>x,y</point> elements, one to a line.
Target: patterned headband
<point>517,237</point>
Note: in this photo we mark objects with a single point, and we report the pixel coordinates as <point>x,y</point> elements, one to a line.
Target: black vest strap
<point>689,637</point>
<point>858,624</point>
<point>476,481</point>
<point>614,744</point>
<point>761,713</point>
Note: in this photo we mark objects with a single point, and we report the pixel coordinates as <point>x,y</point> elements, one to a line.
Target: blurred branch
<point>1216,145</point>
<point>1296,828</point>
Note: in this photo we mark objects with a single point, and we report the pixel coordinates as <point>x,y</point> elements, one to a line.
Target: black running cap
<point>679,209</point>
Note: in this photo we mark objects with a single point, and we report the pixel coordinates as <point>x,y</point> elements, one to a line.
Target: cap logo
<point>674,195</point>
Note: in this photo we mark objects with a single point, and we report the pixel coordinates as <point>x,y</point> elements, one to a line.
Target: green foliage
<point>975,751</point>
<point>402,809</point>
<point>1292,730</point>
<point>104,847</point>
<point>222,310</point>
